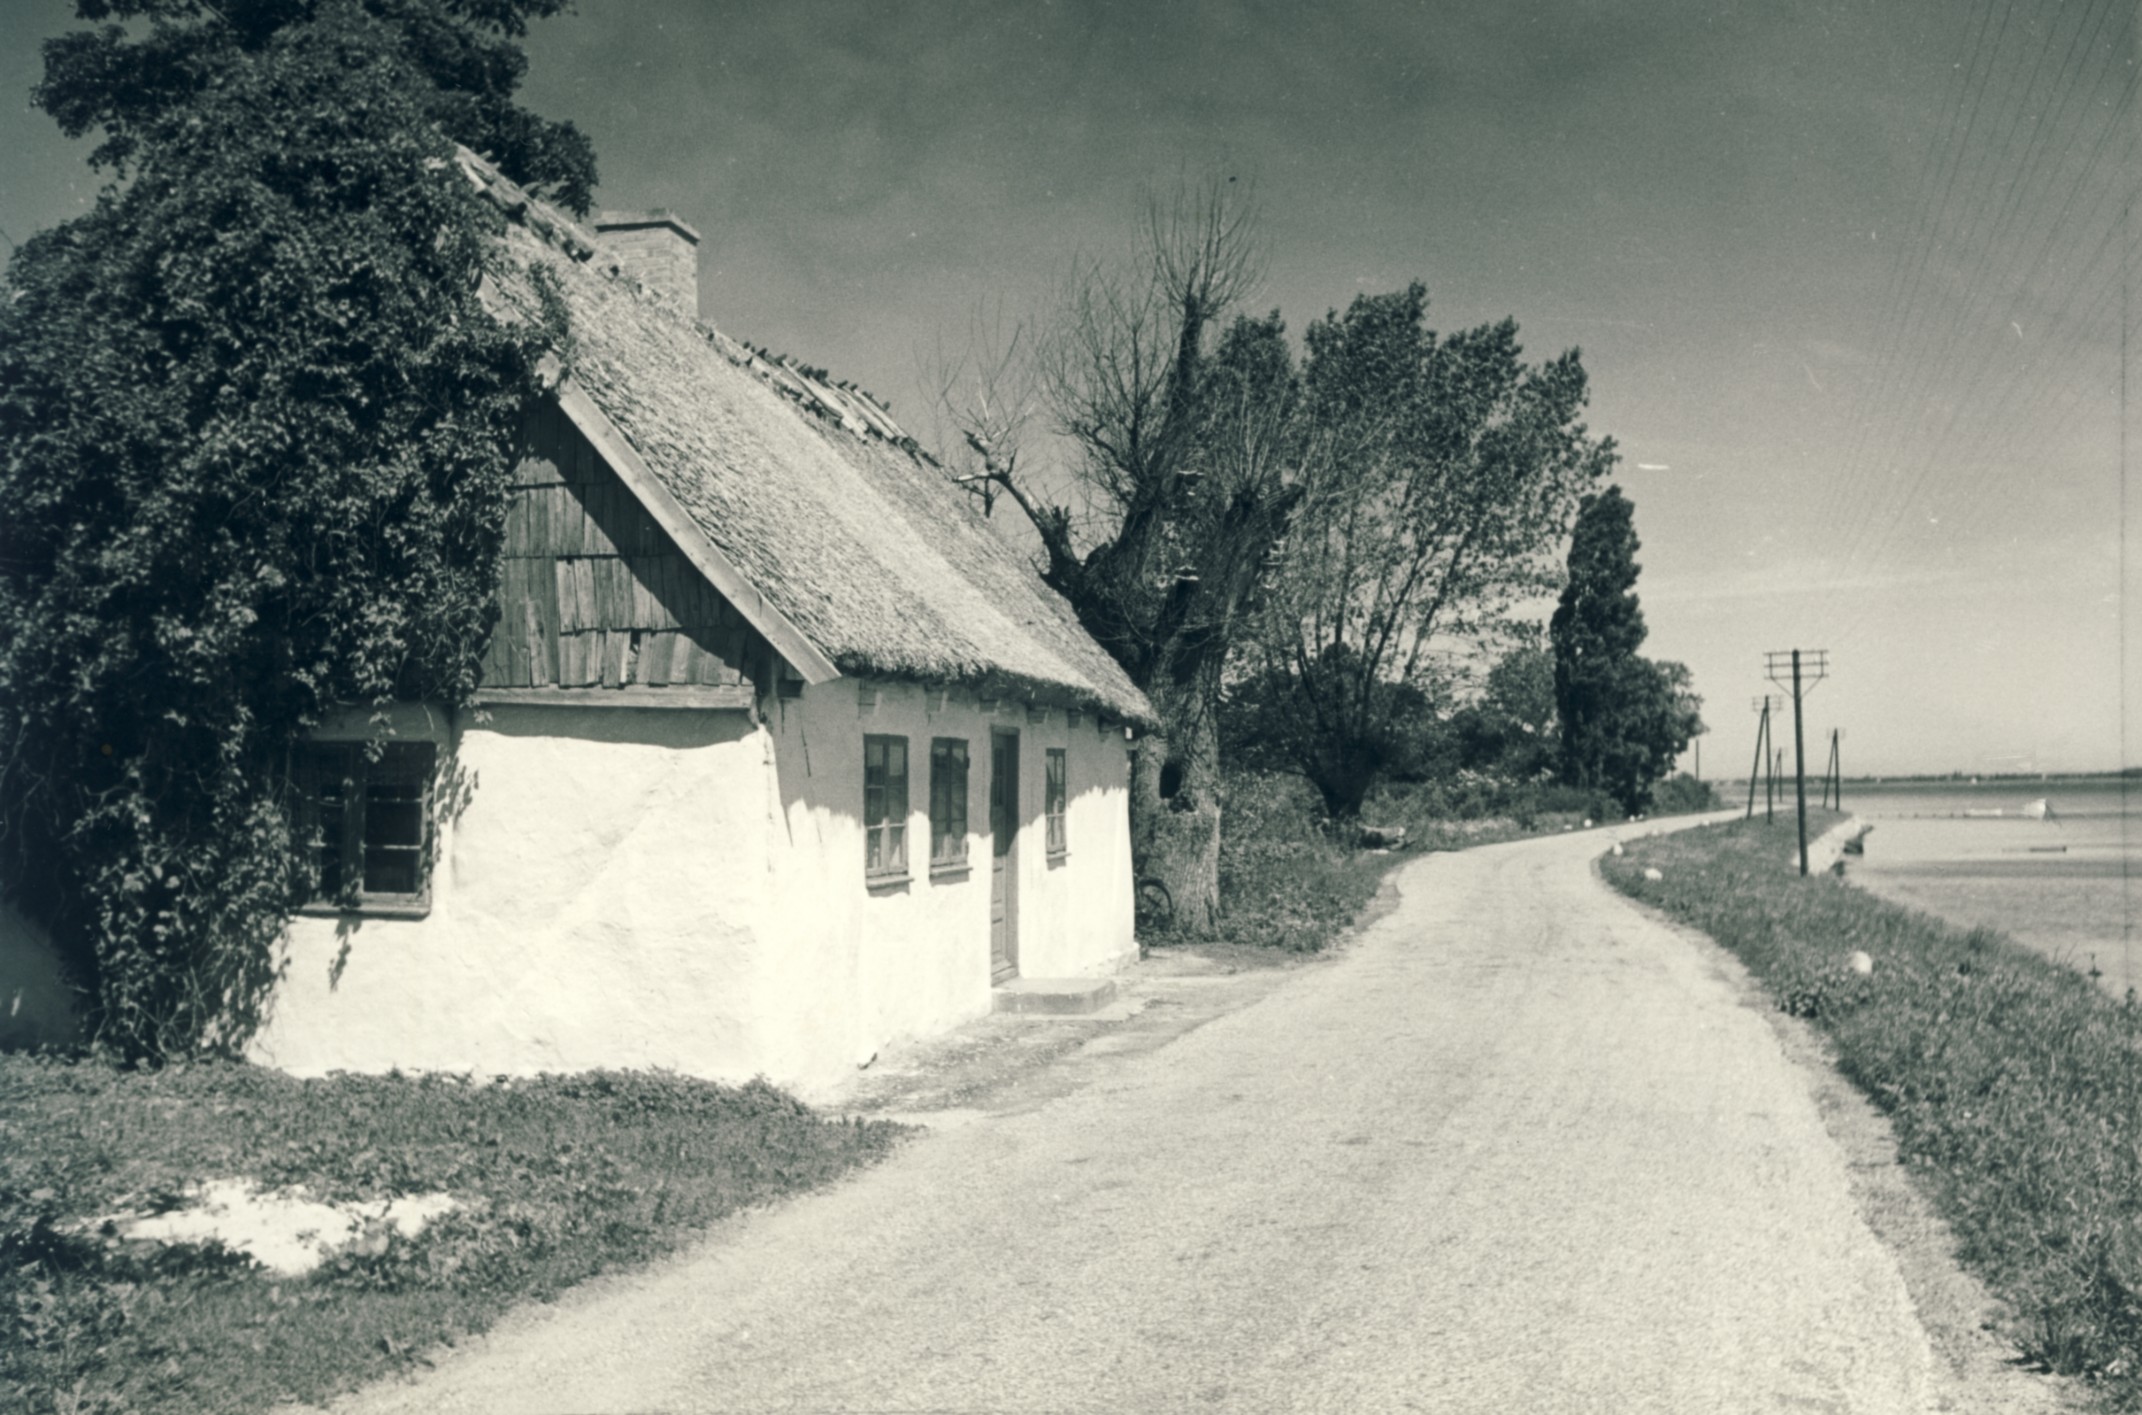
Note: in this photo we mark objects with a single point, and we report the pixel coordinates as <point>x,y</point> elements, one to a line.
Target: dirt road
<point>1521,1149</point>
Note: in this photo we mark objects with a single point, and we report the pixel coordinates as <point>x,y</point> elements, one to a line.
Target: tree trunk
<point>1175,832</point>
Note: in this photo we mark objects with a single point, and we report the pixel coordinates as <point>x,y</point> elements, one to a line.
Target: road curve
<point>1521,1149</point>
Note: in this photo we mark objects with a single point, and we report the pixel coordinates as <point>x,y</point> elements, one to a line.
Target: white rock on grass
<point>1652,874</point>
<point>1860,963</point>
<point>286,1231</point>
<point>1617,847</point>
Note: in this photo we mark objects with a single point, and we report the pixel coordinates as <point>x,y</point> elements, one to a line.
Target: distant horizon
<point>2133,773</point>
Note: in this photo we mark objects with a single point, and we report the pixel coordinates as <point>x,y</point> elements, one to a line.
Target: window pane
<point>393,871</point>
<point>391,820</point>
<point>885,804</point>
<point>948,800</point>
<point>323,802</point>
<point>395,791</point>
<point>1053,807</point>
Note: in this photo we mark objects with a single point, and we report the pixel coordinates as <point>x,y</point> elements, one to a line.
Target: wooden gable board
<point>604,437</point>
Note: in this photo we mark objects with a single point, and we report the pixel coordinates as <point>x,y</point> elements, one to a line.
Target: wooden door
<point>1003,856</point>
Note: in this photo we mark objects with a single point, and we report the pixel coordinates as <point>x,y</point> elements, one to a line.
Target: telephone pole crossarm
<point>1807,667</point>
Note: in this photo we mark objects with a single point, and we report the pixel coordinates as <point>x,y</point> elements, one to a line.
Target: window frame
<point>399,763</point>
<point>1055,796</point>
<point>886,835</point>
<point>949,756</point>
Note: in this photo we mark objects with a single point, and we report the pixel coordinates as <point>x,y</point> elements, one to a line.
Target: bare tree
<point>1178,430</point>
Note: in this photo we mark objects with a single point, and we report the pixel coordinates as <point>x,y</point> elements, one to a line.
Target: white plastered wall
<point>597,900</point>
<point>686,889</point>
<point>878,963</point>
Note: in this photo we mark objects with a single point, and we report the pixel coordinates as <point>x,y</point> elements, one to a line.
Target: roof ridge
<point>860,416</point>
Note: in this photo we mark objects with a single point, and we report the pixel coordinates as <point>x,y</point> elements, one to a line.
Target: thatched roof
<point>834,515</point>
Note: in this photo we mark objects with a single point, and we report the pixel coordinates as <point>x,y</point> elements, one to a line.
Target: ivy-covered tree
<point>1624,718</point>
<point>256,432</point>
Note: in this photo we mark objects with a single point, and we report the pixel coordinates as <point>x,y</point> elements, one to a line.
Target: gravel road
<point>1521,1148</point>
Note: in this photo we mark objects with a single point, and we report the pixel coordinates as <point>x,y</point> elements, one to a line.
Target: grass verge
<point>560,1178</point>
<point>2013,1084</point>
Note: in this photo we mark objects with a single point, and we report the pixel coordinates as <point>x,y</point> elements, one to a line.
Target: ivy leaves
<point>256,433</point>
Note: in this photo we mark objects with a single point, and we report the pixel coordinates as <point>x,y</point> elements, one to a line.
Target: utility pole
<point>1833,775</point>
<point>1804,678</point>
<point>1760,769</point>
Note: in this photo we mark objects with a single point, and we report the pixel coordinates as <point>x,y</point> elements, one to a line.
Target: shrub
<point>1683,794</point>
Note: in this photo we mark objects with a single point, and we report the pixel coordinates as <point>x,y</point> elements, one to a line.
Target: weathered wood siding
<point>595,594</point>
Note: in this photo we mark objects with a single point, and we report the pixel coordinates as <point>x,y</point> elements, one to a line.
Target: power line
<point>2031,240</point>
<point>1805,675</point>
<point>2078,286</point>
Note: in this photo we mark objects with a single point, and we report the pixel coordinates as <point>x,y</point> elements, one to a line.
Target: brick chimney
<point>656,248</point>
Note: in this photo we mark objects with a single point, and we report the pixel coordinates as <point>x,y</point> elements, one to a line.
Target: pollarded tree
<point>256,434</point>
<point>1439,476</point>
<point>1624,718</point>
<point>1180,416</point>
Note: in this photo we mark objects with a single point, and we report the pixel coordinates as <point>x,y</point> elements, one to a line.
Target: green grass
<point>561,1177</point>
<point>2013,1084</point>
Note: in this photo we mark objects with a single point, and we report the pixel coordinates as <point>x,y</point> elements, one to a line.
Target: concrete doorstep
<point>1056,997</point>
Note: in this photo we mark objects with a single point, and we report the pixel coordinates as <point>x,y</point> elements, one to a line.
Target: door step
<point>1058,997</point>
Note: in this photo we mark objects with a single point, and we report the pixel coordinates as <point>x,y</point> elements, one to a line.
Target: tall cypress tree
<point>256,434</point>
<point>1623,720</point>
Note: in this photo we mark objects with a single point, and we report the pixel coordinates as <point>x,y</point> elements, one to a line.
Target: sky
<point>1847,275</point>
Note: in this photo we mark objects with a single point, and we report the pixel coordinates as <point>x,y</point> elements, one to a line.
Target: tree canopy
<point>256,432</point>
<point>142,78</point>
<point>1624,718</point>
<point>1438,475</point>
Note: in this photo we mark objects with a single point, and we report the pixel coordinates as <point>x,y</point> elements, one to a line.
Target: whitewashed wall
<point>913,958</point>
<point>686,889</point>
<point>597,902</point>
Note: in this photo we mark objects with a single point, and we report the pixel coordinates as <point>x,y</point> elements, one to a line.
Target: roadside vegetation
<point>1566,728</point>
<point>1292,879</point>
<point>2013,1083</point>
<point>557,1179</point>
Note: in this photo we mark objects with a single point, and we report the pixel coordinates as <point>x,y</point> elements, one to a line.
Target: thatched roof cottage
<point>781,753</point>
